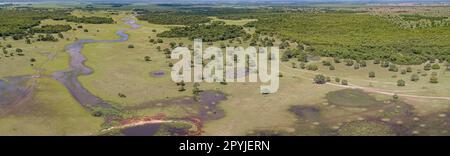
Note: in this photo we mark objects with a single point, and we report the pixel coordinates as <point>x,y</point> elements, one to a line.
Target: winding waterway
<point>69,77</point>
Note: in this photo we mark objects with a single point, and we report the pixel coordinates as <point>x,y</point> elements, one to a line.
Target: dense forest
<point>20,22</point>
<point>51,29</point>
<point>173,18</point>
<point>215,31</point>
<point>356,36</point>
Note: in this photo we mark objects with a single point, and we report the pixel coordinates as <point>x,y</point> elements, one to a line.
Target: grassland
<point>328,109</point>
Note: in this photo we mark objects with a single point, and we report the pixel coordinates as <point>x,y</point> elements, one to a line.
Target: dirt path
<point>367,89</point>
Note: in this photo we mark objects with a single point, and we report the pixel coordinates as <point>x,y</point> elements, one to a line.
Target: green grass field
<point>300,107</point>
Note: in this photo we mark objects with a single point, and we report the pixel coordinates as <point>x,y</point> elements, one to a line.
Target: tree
<point>344,82</point>
<point>294,65</point>
<point>376,61</point>
<point>326,63</point>
<point>349,62</point>
<point>371,74</point>
<point>434,79</point>
<point>332,67</point>
<point>363,63</point>
<point>338,80</point>
<point>395,97</point>
<point>356,67</point>
<point>409,69</point>
<point>401,83</point>
<point>130,46</point>
<point>384,64</point>
<point>320,79</point>
<point>436,66</point>
<point>337,60</point>
<point>147,58</point>
<point>415,77</point>
<point>403,71</point>
<point>302,65</point>
<point>393,68</point>
<point>181,88</point>
<point>312,67</point>
<point>427,67</point>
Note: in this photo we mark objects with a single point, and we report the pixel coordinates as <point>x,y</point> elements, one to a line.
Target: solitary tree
<point>434,79</point>
<point>427,67</point>
<point>401,83</point>
<point>415,77</point>
<point>147,58</point>
<point>344,82</point>
<point>371,74</point>
<point>320,79</point>
<point>338,80</point>
<point>332,67</point>
<point>436,66</point>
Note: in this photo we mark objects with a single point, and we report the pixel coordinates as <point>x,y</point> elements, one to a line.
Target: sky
<point>227,1</point>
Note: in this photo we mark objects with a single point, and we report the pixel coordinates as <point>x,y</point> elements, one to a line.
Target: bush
<point>362,63</point>
<point>338,80</point>
<point>320,79</point>
<point>332,67</point>
<point>401,83</point>
<point>130,46</point>
<point>427,67</point>
<point>393,68</point>
<point>356,66</point>
<point>337,60</point>
<point>409,69</point>
<point>384,64</point>
<point>434,79</point>
<point>371,74</point>
<point>349,62</point>
<point>415,77</point>
<point>312,67</point>
<point>376,61</point>
<point>326,63</point>
<point>344,82</point>
<point>403,71</point>
<point>436,66</point>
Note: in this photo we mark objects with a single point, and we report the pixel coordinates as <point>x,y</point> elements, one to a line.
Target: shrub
<point>401,83</point>
<point>312,67</point>
<point>436,66</point>
<point>403,71</point>
<point>376,61</point>
<point>427,67</point>
<point>344,82</point>
<point>320,79</point>
<point>434,79</point>
<point>415,77</point>
<point>371,74</point>
<point>332,67</point>
<point>326,63</point>
<point>409,69</point>
<point>338,80</point>
<point>130,46</point>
